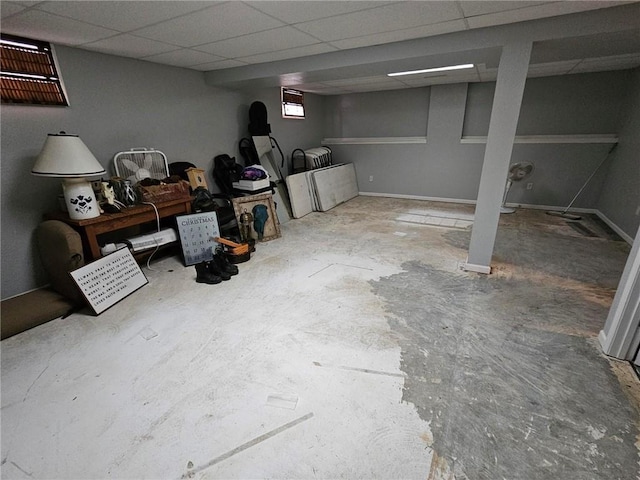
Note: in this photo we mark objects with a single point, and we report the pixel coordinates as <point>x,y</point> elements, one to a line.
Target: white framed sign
<point>109,279</point>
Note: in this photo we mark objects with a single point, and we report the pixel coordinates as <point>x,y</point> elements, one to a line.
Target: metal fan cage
<point>520,171</point>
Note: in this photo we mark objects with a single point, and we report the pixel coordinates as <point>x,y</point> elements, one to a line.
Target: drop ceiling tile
<point>627,58</point>
<point>488,75</point>
<point>399,35</point>
<point>376,87</point>
<point>10,8</point>
<point>381,19</point>
<point>541,73</point>
<point>534,12</point>
<point>126,45</point>
<point>305,51</point>
<point>183,58</point>
<point>346,82</point>
<point>431,80</point>
<point>435,81</point>
<point>53,28</point>
<point>305,87</point>
<point>551,68</point>
<point>121,15</point>
<point>474,8</point>
<point>205,67</point>
<point>588,46</point>
<point>261,42</point>
<point>28,3</point>
<point>326,90</point>
<point>313,10</point>
<point>219,22</point>
<point>618,62</point>
<point>588,68</point>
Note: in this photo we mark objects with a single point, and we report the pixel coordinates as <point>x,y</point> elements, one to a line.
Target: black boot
<point>205,276</point>
<point>223,263</point>
<point>216,270</point>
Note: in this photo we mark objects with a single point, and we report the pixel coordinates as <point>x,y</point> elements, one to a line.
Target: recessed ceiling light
<point>429,70</point>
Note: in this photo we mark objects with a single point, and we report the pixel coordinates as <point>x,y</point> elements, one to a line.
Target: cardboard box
<point>196,178</point>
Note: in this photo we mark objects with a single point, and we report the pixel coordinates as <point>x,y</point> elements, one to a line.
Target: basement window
<point>28,73</point>
<point>292,103</point>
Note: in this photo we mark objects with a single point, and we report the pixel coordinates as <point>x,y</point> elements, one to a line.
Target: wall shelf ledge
<point>547,139</point>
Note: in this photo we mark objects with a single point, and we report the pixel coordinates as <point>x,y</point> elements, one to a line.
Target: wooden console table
<point>128,217</point>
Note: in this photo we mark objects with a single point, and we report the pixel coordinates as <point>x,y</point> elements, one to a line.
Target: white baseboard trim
<point>551,207</point>
<point>418,197</point>
<point>614,227</point>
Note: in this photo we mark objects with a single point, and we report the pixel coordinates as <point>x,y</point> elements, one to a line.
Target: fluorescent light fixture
<point>430,70</point>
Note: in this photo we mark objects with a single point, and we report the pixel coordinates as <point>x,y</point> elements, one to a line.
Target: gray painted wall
<point>116,104</point>
<point>573,104</point>
<point>290,133</point>
<point>586,103</point>
<point>119,103</point>
<point>440,168</point>
<point>565,105</point>
<point>396,113</point>
<point>620,199</point>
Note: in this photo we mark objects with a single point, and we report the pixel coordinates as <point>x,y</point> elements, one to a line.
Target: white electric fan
<point>517,173</point>
<point>140,163</point>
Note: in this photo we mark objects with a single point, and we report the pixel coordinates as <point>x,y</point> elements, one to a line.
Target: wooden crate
<point>164,193</point>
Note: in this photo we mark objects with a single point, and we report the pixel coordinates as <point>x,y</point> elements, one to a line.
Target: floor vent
<point>609,232</point>
<point>580,228</point>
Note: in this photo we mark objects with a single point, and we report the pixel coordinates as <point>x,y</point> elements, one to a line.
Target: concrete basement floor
<point>352,347</point>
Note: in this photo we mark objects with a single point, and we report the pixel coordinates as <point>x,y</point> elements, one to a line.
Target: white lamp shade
<point>66,156</point>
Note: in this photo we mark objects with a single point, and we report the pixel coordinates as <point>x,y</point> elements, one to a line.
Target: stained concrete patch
<point>588,260</point>
<point>505,400</point>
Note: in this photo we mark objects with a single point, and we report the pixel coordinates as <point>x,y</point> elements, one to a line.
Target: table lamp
<point>66,156</point>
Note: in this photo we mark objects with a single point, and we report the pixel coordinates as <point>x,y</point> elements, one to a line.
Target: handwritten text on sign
<point>109,279</point>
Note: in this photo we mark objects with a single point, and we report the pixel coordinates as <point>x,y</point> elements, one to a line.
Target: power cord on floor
<point>157,230</point>
<point>157,214</point>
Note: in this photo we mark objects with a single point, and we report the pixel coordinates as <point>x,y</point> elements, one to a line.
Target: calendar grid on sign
<point>197,233</point>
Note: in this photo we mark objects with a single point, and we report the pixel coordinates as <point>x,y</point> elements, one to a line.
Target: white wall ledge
<point>542,139</point>
<point>372,140</point>
<point>471,139</point>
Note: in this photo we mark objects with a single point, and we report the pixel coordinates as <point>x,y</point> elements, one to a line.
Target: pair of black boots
<point>216,270</point>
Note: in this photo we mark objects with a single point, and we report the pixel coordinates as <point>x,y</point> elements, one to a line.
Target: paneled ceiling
<point>227,37</point>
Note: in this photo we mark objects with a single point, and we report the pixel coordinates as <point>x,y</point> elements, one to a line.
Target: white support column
<point>512,74</point>
<point>623,320</point>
